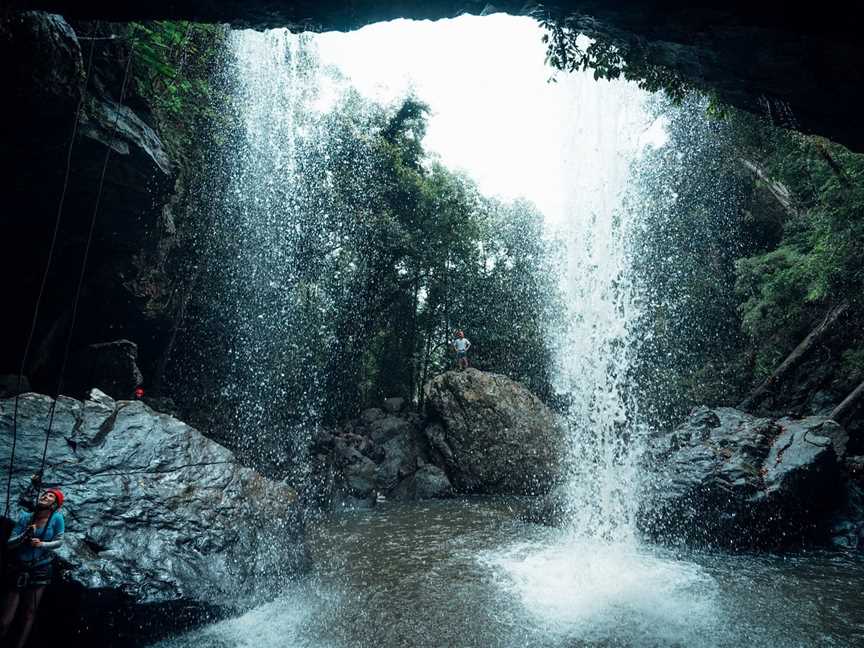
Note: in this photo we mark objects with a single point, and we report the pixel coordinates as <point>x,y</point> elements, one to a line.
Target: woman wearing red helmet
<point>31,551</point>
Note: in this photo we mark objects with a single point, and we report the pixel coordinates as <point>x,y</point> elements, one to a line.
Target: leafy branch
<point>568,49</point>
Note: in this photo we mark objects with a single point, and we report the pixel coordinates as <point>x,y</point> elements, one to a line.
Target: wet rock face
<point>163,526</point>
<point>377,454</point>
<point>429,482</point>
<point>728,478</point>
<point>492,435</point>
<point>110,367</point>
<point>46,71</point>
<point>128,285</point>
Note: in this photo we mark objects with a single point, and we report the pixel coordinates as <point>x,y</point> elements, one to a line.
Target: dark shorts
<point>461,354</point>
<point>23,576</point>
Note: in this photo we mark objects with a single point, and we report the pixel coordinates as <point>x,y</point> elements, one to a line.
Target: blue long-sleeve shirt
<point>51,536</point>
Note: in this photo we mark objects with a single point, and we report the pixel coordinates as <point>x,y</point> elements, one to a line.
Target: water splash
<point>592,591</point>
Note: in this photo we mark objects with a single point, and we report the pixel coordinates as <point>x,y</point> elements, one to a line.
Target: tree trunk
<point>835,167</point>
<point>845,408</point>
<point>778,190</point>
<point>795,357</point>
<point>412,379</point>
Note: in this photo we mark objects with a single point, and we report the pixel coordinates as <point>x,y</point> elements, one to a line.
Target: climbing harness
<point>35,572</point>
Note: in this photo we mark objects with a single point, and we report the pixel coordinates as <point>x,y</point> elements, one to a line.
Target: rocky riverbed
<point>166,529</point>
<point>482,433</point>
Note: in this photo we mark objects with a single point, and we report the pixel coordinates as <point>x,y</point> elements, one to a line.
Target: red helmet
<point>460,334</point>
<point>139,392</point>
<point>58,495</point>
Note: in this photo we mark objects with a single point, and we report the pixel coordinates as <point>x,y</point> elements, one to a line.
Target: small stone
<point>394,405</point>
<point>371,414</point>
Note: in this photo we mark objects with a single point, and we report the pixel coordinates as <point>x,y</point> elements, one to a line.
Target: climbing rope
<point>78,291</point>
<point>86,257</point>
<point>44,281</point>
<point>182,47</point>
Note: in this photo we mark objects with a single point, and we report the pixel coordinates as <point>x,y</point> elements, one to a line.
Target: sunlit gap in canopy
<point>494,112</point>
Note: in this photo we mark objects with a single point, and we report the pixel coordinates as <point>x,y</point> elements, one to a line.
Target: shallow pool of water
<point>465,573</point>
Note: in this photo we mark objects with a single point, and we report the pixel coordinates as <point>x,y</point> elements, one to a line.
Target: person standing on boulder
<point>30,554</point>
<point>461,345</point>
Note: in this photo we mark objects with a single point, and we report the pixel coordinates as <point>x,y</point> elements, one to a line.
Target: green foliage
<point>734,278</point>
<point>693,197</point>
<point>774,288</point>
<point>386,253</point>
<point>785,291</point>
<point>174,68</point>
<point>852,366</point>
<point>567,49</point>
<point>423,253</point>
<point>716,109</point>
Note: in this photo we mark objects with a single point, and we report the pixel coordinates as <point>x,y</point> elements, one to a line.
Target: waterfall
<point>264,234</point>
<point>266,291</point>
<point>262,312</point>
<point>267,299</point>
<point>596,580</point>
<point>594,355</point>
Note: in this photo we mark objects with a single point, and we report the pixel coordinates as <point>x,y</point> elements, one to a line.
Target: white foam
<point>596,591</point>
<point>285,621</point>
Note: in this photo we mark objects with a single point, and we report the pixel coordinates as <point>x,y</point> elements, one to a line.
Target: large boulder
<point>163,526</point>
<point>492,435</point>
<point>427,482</point>
<point>727,477</point>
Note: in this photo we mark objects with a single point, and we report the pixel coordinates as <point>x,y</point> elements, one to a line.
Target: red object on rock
<point>139,392</point>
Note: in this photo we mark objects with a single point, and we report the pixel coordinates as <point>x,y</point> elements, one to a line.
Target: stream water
<point>466,573</point>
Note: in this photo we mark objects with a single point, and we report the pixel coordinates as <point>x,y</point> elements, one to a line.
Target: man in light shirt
<point>461,345</point>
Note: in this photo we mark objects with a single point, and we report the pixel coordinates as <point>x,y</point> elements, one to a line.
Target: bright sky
<point>494,113</point>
